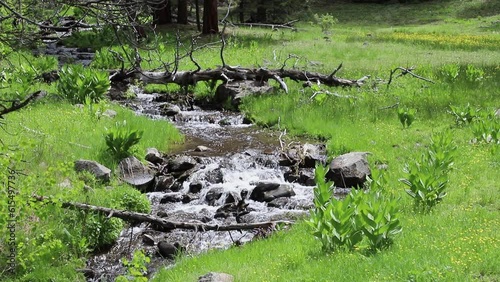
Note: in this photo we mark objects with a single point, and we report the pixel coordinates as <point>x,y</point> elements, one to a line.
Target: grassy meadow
<point>456,241</point>
<point>453,43</point>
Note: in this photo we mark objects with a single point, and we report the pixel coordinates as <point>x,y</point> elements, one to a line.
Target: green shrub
<point>406,116</point>
<point>486,128</point>
<point>134,200</point>
<point>333,221</point>
<point>463,115</point>
<point>428,178</point>
<point>450,72</point>
<point>112,58</point>
<point>77,83</point>
<point>474,74</point>
<point>136,268</point>
<point>344,223</point>
<point>101,231</point>
<point>325,21</point>
<point>120,140</point>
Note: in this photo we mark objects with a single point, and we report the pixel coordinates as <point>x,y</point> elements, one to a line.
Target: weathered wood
<point>163,224</point>
<point>185,78</point>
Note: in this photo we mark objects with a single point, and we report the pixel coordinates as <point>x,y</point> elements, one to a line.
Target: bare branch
<point>15,105</point>
<point>162,223</point>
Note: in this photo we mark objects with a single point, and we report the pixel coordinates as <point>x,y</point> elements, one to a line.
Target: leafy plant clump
<point>344,223</point>
<point>325,21</point>
<point>427,179</point>
<point>406,116</point>
<point>463,115</point>
<point>136,268</point>
<point>120,140</point>
<point>77,83</point>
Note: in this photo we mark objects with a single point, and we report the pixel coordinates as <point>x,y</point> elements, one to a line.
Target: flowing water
<point>239,156</point>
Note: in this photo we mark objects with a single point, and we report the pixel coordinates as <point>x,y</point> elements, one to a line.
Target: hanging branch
<point>16,105</point>
<point>161,223</point>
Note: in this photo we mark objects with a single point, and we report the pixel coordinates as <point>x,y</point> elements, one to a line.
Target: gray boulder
<point>164,182</point>
<point>109,113</point>
<point>135,173</point>
<point>306,155</point>
<point>172,198</point>
<point>202,148</point>
<point>213,195</point>
<point>235,91</point>
<point>168,250</point>
<point>98,170</point>
<point>153,156</point>
<point>268,191</point>
<point>170,110</point>
<point>216,277</point>
<point>181,163</point>
<point>349,170</point>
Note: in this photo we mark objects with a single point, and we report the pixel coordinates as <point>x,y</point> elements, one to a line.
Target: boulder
<point>163,183</point>
<point>98,170</point>
<point>109,113</point>
<point>181,163</point>
<point>235,91</point>
<point>279,203</point>
<point>195,187</point>
<point>213,195</point>
<point>168,250</point>
<point>135,173</point>
<point>306,155</point>
<point>172,198</point>
<point>237,209</point>
<point>148,240</point>
<point>313,153</point>
<point>268,191</point>
<point>170,110</point>
<point>153,156</point>
<point>214,176</point>
<point>216,277</point>
<point>201,148</point>
<point>306,177</point>
<point>349,170</point>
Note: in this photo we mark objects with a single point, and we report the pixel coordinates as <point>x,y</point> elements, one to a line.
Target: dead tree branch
<point>405,71</point>
<point>16,105</point>
<point>185,78</point>
<point>163,224</point>
<point>287,25</point>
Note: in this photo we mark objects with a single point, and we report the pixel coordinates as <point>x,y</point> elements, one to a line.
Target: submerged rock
<point>268,191</point>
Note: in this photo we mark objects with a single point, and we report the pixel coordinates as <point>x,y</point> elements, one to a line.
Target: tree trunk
<point>241,8</point>
<point>163,13</point>
<point>182,12</point>
<point>210,18</point>
<point>261,16</point>
<point>198,23</point>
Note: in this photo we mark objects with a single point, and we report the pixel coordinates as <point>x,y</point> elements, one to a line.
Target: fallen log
<point>228,74</point>
<point>163,224</point>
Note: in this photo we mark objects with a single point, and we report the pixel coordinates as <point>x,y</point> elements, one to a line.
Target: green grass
<point>49,136</point>
<point>457,241</point>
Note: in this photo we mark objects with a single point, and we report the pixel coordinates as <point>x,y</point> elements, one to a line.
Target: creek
<point>236,158</point>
